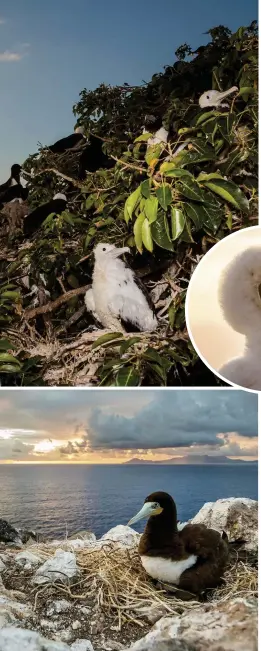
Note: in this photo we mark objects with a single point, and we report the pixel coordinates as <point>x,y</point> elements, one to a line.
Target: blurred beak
<point>118,252</point>
<point>234,89</point>
<point>147,510</point>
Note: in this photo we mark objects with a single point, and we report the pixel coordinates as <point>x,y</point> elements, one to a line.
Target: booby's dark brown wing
<point>212,553</point>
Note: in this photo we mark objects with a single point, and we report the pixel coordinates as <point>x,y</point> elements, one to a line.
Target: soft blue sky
<point>67,45</point>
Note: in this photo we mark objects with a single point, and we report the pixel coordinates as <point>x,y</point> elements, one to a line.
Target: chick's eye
<point>104,248</point>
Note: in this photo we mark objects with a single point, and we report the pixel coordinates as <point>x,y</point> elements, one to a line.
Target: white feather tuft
<point>59,195</point>
<point>240,300</point>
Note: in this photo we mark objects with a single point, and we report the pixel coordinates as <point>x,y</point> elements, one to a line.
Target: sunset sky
<point>103,426</point>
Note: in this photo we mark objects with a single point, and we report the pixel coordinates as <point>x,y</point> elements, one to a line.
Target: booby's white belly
<point>165,569</point>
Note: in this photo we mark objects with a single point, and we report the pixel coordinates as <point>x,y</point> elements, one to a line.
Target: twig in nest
<point>53,305</point>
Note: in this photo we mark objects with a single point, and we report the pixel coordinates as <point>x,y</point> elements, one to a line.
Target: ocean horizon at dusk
<point>60,499</point>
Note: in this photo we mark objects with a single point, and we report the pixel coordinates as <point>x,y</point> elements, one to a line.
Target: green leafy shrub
<point>169,204</point>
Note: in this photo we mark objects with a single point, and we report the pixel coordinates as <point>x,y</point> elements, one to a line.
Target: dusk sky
<point>50,51</point>
<point>101,426</point>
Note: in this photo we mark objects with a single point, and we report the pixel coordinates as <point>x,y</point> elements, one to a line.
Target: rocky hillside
<point>84,594</point>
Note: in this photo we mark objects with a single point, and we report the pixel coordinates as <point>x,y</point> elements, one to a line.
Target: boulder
<point>60,567</point>
<point>27,560</point>
<point>224,626</point>
<point>18,639</point>
<point>57,607</point>
<point>12,610</point>
<point>237,516</point>
<point>28,537</point>
<point>80,540</point>
<point>82,645</point>
<point>121,536</point>
<point>8,534</point>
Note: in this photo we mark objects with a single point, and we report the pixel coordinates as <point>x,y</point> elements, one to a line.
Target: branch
<point>122,162</point>
<point>64,176</point>
<point>53,305</point>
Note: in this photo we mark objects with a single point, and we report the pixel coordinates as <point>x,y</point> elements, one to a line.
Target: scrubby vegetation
<point>169,212</point>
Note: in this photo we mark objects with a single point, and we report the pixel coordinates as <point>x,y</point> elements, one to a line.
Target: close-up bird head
<point>109,251</point>
<point>214,97</point>
<point>154,505</point>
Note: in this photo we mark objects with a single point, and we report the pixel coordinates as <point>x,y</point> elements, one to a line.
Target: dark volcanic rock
<point>9,534</point>
<point>31,536</point>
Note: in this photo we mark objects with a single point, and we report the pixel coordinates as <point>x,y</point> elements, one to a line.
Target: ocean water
<point>53,499</point>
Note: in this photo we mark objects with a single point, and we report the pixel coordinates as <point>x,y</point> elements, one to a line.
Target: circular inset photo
<point>223,309</point>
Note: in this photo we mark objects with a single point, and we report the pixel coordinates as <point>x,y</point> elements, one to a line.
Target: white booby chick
<point>117,294</point>
<point>161,137</point>
<point>215,98</point>
<point>240,300</point>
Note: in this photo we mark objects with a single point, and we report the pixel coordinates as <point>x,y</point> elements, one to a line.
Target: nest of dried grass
<point>114,581</point>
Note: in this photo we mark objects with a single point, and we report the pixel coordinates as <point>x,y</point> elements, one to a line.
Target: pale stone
<point>7,618</point>
<point>76,625</point>
<point>2,566</point>
<point>57,607</point>
<point>17,639</point>
<point>18,610</point>
<point>60,567</point>
<point>237,516</point>
<point>121,536</point>
<point>225,626</point>
<point>27,560</point>
<point>82,645</point>
<point>80,540</point>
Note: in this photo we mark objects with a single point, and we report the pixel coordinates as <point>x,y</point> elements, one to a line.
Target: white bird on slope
<point>240,300</point>
<point>117,294</point>
<point>215,98</point>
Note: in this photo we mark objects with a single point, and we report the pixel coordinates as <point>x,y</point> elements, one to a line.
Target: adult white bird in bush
<point>117,295</point>
<point>215,98</point>
<point>240,300</point>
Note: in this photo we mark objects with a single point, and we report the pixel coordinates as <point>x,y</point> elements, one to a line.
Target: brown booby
<point>34,219</point>
<point>193,558</point>
<point>14,178</point>
<point>73,141</point>
<point>117,294</point>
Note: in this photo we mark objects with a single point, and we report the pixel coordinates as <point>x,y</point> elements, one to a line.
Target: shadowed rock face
<point>9,534</point>
<point>19,537</point>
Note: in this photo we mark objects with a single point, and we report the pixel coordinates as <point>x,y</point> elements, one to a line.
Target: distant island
<point>203,459</point>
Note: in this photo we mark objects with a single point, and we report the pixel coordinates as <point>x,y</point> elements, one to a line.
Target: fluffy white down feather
<point>240,300</point>
<point>115,293</point>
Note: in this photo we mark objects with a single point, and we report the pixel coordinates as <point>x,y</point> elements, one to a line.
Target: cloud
<point>176,419</point>
<point>9,57</point>
<point>2,21</point>
<point>86,425</point>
